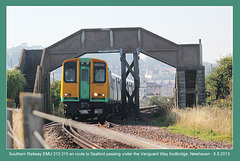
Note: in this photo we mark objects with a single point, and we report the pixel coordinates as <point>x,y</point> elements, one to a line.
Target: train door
<point>85,80</point>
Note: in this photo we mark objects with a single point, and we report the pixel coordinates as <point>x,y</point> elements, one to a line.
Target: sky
<point>183,25</point>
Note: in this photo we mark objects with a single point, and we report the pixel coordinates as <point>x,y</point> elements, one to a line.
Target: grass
<point>205,123</point>
<point>201,134</point>
<point>17,123</point>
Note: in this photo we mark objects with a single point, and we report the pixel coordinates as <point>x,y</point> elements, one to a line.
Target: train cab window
<point>70,72</point>
<point>99,72</point>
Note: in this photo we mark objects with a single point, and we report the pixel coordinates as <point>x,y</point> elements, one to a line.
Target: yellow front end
<point>99,91</point>
<point>70,85</point>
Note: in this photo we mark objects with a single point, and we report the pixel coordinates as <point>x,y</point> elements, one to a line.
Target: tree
<point>217,83</point>
<point>15,83</point>
<point>56,98</point>
<point>55,93</point>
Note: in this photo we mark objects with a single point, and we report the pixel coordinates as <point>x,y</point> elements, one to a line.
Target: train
<point>89,89</point>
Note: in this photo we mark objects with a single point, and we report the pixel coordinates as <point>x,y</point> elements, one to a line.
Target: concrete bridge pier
<point>180,89</point>
<point>190,86</point>
<point>201,95</point>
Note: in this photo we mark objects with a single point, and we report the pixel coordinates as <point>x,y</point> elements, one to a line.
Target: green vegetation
<point>206,123</point>
<point>213,121</point>
<point>162,115</point>
<point>219,84</point>
<point>15,83</point>
<point>55,93</point>
<point>164,105</point>
<point>201,134</point>
<point>56,99</point>
<point>145,101</point>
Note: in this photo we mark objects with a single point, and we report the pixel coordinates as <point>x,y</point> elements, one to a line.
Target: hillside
<point>14,53</point>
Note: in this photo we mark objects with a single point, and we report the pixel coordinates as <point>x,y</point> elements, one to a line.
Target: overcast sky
<point>182,25</point>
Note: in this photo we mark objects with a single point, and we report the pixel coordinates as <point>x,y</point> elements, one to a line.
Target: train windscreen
<point>99,72</point>
<point>70,72</point>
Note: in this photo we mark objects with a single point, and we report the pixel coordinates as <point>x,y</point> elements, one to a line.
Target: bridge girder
<point>184,57</point>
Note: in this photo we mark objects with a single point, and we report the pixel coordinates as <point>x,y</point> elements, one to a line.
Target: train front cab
<point>84,87</point>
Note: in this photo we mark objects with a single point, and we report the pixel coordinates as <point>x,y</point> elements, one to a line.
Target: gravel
<point>143,129</point>
<point>56,137</point>
<point>105,142</point>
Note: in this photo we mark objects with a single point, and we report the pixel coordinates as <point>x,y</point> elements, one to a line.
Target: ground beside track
<point>143,129</point>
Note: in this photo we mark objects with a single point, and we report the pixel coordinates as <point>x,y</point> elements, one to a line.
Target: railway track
<point>147,107</point>
<point>50,124</point>
<point>78,139</point>
<point>100,131</point>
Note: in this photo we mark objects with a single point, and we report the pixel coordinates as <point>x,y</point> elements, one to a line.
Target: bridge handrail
<point>22,60</point>
<point>37,84</point>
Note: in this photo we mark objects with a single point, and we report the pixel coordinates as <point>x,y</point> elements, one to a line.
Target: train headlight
<point>65,94</point>
<point>95,94</point>
<point>103,95</point>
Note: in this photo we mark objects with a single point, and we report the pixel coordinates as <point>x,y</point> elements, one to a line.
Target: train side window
<point>70,72</point>
<point>99,72</point>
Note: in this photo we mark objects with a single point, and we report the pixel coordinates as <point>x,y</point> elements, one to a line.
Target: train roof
<point>117,76</point>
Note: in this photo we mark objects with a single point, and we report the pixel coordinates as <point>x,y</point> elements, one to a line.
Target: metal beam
<point>130,69</point>
<point>123,75</point>
<point>136,82</point>
<point>132,64</point>
<point>135,94</point>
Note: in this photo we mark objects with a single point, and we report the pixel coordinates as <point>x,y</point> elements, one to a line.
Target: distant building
<point>149,89</point>
<point>149,75</point>
<point>167,87</point>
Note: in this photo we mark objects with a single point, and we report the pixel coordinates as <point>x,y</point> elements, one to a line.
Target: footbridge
<point>186,58</point>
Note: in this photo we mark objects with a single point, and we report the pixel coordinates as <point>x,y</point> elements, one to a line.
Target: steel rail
<point>51,124</point>
<point>82,142</point>
<point>110,134</point>
<point>147,107</point>
<point>90,144</point>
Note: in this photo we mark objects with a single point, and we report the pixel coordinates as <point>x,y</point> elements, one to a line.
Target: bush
<point>56,98</point>
<point>15,83</point>
<point>154,100</point>
<point>55,93</point>
<point>145,101</point>
<point>222,103</point>
<point>164,105</point>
